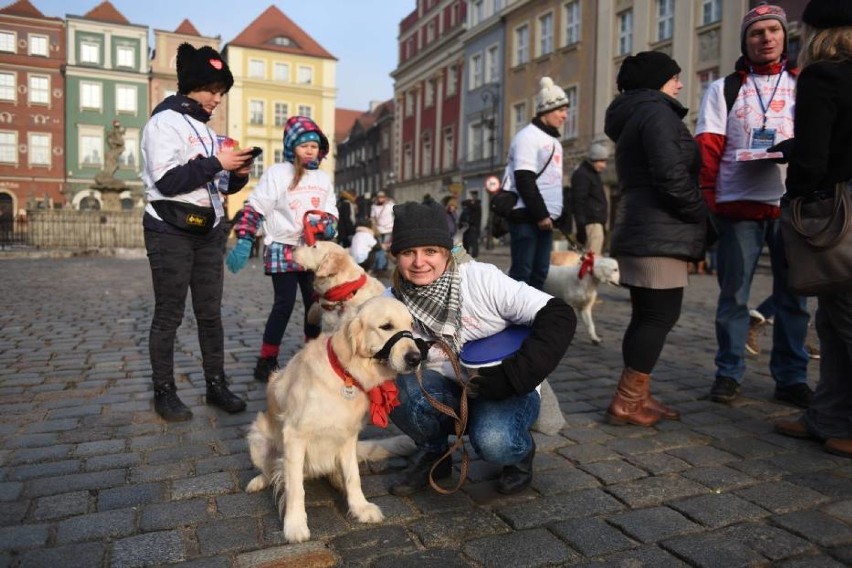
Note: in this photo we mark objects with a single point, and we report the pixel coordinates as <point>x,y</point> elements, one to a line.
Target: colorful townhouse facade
<point>32,110</point>
<point>364,161</point>
<point>279,71</point>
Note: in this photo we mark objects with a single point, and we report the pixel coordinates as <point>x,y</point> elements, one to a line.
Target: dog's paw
<point>296,532</point>
<point>368,513</point>
<point>259,483</point>
<point>596,341</point>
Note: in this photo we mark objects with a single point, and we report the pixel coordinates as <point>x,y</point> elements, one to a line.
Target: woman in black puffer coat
<point>661,221</point>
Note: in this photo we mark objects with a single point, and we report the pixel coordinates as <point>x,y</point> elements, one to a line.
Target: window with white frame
<point>281,72</point>
<point>711,11</point>
<point>427,156</point>
<point>282,111</point>
<point>522,45</point>
<point>452,80</point>
<point>129,158</point>
<point>39,89</point>
<point>8,147</point>
<point>39,149</point>
<point>278,156</point>
<point>407,162</point>
<point>306,75</point>
<point>475,78</point>
<point>255,112</point>
<point>306,110</point>
<point>429,93</point>
<point>91,146</point>
<point>38,45</point>
<point>571,19</point>
<point>257,167</point>
<point>571,127</point>
<point>90,52</point>
<point>125,98</point>
<point>430,31</point>
<point>8,41</point>
<point>477,12</point>
<point>492,64</point>
<point>257,69</point>
<point>625,32</point>
<point>409,103</point>
<point>545,34</point>
<point>91,95</point>
<point>705,78</point>
<point>474,141</point>
<point>8,86</point>
<point>519,116</point>
<point>665,19</point>
<point>385,140</point>
<point>448,154</point>
<point>125,56</point>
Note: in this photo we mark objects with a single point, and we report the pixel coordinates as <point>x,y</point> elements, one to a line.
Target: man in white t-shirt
<point>382,215</point>
<point>752,109</point>
<point>534,172</point>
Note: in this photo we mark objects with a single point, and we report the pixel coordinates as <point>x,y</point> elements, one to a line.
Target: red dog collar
<point>587,265</point>
<point>345,291</point>
<point>383,398</point>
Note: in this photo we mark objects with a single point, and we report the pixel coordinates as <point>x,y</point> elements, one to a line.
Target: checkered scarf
<point>293,129</point>
<point>436,306</point>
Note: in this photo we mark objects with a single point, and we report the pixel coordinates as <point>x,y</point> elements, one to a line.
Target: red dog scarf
<point>383,398</point>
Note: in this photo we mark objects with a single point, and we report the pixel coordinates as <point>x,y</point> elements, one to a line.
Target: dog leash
<point>460,420</point>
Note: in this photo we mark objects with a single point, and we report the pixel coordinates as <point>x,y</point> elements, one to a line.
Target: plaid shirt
<point>279,258</point>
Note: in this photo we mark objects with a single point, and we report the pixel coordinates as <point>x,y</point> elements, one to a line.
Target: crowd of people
<point>680,195</point>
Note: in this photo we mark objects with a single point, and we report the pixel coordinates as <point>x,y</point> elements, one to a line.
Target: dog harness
<point>587,265</point>
<point>383,398</point>
<point>337,296</point>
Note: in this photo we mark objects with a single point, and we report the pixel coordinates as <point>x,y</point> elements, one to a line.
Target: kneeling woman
<point>458,300</point>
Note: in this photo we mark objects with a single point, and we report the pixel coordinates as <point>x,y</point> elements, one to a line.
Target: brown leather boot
<point>628,406</point>
<point>665,412</point>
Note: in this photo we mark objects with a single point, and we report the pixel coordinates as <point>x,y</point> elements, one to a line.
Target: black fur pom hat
<point>200,68</point>
<point>419,225</point>
<point>824,14</point>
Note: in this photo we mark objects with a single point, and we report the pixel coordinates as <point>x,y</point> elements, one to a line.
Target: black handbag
<point>818,241</point>
<point>503,202</point>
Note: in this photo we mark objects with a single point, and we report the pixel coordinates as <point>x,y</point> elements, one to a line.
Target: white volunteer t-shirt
<point>762,180</point>
<point>531,147</point>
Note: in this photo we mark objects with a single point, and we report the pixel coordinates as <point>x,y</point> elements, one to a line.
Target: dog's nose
<point>413,358</point>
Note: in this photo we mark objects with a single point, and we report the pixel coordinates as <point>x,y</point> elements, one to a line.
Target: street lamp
<point>489,120</point>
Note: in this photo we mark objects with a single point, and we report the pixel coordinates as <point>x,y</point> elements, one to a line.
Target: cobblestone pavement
<point>90,477</point>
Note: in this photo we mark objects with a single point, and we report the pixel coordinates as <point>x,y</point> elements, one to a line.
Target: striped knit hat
<point>294,130</point>
<point>763,11</point>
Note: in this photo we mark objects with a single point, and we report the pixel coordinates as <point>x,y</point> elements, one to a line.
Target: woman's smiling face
<point>423,265</point>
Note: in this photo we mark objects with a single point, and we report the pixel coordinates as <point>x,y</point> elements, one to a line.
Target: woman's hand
<point>238,162</point>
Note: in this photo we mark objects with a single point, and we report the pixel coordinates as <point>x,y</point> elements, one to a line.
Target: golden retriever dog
<point>578,285</point>
<point>317,405</point>
<point>338,280</point>
<point>565,257</point>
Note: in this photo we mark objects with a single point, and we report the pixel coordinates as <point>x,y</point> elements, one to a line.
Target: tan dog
<point>565,257</point>
<point>317,405</point>
<point>578,285</point>
<point>339,281</point>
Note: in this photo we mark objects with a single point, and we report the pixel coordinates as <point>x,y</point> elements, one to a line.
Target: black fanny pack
<point>185,216</point>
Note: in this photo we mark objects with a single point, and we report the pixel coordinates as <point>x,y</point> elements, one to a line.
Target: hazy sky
<point>361,34</point>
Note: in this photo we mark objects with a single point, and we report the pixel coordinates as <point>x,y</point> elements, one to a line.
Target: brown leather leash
<point>459,419</point>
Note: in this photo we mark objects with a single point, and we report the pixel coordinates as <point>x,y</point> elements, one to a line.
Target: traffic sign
<point>492,184</point>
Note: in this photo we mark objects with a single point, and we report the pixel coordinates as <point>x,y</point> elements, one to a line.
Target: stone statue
<point>105,179</point>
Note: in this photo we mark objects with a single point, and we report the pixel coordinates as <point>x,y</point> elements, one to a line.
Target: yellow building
<point>279,71</point>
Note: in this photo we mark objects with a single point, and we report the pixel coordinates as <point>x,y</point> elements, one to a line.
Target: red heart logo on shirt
<point>777,106</point>
<point>217,64</point>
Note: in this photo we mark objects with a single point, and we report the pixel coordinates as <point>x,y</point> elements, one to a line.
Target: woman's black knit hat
<point>419,225</point>
<point>828,13</point>
<point>201,68</point>
<point>646,70</point>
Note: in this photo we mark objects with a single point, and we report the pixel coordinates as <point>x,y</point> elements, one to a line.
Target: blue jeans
<point>530,248</point>
<point>740,244</point>
<point>382,256</point>
<point>499,430</point>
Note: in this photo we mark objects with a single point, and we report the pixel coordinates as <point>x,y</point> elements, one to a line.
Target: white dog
<point>339,281</point>
<point>578,285</point>
<point>317,404</point>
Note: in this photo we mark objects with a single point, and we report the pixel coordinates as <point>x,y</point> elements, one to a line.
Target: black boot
<point>265,366</point>
<point>219,395</point>
<point>416,476</point>
<point>168,405</point>
<point>516,477</point>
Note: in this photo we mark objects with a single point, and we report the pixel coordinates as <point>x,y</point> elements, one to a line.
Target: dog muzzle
<point>422,345</point>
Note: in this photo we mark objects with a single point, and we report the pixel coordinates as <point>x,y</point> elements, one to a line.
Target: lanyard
<point>772,96</point>
<point>211,188</point>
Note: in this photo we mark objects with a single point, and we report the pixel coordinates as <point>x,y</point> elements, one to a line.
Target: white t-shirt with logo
<point>530,149</point>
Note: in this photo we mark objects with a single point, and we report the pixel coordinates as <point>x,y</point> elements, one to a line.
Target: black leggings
<point>284,285</point>
<point>655,312</point>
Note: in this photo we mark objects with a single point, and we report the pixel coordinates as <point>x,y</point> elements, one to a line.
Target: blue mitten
<point>239,256</point>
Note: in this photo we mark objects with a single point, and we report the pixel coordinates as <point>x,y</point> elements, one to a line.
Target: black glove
<point>493,384</point>
<point>785,147</point>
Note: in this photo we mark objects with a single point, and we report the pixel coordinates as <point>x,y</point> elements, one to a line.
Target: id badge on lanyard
<point>215,199</point>
<point>761,138</point>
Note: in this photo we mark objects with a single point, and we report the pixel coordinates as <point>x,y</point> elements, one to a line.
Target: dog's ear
<point>354,327</point>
